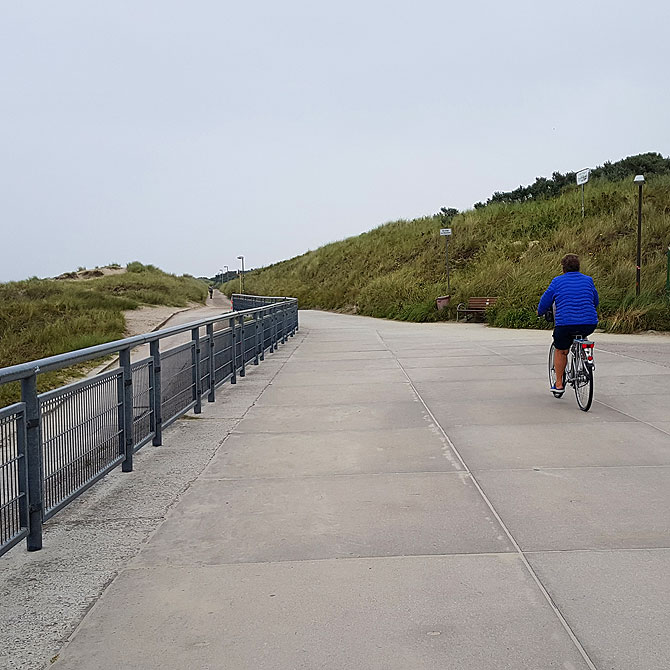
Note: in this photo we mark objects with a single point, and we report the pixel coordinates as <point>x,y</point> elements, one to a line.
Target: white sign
<point>445,231</point>
<point>583,176</point>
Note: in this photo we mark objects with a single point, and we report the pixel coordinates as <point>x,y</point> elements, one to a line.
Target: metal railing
<point>55,445</point>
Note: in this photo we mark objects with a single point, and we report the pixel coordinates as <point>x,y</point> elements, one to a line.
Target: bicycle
<point>578,372</point>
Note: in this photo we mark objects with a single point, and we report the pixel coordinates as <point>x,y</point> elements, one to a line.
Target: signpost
<point>582,178</point>
<point>639,180</point>
<point>446,233</point>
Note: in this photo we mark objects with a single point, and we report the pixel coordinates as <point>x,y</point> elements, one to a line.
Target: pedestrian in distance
<point>211,292</point>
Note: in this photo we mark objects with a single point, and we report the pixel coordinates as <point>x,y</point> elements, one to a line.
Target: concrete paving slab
<point>638,385</point>
<point>642,407</point>
<point>446,613</point>
<point>242,521</point>
<point>355,365</point>
<point>507,372</point>
<point>332,453</point>
<point>437,351</point>
<point>615,601</point>
<point>662,425</point>
<point>328,394</point>
<point>606,365</point>
<point>453,361</point>
<point>455,390</point>
<point>347,377</point>
<point>371,416</point>
<point>343,355</point>
<point>652,348</point>
<point>538,406</point>
<point>556,445</point>
<point>583,508</point>
<point>358,344</point>
<point>624,367</point>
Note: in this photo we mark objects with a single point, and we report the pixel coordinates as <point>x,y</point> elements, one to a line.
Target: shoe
<point>557,392</point>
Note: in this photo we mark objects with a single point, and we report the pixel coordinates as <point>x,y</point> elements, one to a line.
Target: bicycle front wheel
<point>552,371</point>
<point>583,384</point>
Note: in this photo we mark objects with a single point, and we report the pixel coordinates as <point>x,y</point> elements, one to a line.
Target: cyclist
<point>574,299</point>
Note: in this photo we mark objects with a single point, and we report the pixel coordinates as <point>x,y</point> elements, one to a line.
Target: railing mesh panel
<point>177,388</point>
<point>267,331</point>
<point>249,341</point>
<point>238,345</point>
<point>13,505</point>
<point>223,352</point>
<point>143,414</point>
<point>81,435</point>
<point>204,364</point>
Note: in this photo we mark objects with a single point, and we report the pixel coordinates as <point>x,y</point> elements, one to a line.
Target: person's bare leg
<point>560,361</point>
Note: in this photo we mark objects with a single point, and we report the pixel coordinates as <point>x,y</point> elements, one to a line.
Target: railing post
<point>256,345</point>
<point>243,371</point>
<point>212,367</point>
<point>124,362</point>
<point>154,350</point>
<point>275,329</point>
<point>233,357</point>
<point>34,463</point>
<point>195,370</point>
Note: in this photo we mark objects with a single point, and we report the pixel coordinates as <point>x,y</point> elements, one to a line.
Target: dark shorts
<point>565,335</point>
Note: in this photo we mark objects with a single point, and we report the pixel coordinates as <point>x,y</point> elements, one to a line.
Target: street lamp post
<point>639,180</point>
<point>242,275</point>
<point>220,276</point>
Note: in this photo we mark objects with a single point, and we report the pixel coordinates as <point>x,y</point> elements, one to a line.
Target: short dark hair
<point>570,263</point>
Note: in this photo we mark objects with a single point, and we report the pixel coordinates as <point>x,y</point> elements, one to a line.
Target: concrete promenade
<point>407,496</point>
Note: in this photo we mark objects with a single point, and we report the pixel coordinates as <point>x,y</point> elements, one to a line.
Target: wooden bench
<point>475,306</point>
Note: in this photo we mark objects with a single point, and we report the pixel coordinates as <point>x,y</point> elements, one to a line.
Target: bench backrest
<point>481,302</point>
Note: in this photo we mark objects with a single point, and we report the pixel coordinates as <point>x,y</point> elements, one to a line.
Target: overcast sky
<point>187,133</point>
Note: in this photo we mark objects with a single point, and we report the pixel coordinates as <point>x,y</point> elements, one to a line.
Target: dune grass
<point>44,317</point>
<point>507,250</point>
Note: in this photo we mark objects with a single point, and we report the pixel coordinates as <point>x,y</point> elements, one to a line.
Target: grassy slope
<point>507,250</point>
<point>42,317</point>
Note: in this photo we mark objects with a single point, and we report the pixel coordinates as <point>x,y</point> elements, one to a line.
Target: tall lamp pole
<point>241,275</point>
<point>639,180</point>
<point>225,278</point>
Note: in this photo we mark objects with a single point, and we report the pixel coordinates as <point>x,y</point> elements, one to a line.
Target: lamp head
<point>639,179</point>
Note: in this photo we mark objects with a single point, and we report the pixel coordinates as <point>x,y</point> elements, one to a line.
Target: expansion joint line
<point>489,504</point>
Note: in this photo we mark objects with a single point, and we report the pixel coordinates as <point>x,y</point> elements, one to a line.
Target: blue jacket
<point>576,299</point>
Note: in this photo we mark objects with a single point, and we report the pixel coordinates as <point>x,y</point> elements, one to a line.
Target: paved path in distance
<point>411,496</point>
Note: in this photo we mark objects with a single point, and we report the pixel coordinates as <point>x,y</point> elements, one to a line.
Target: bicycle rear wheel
<point>583,381</point>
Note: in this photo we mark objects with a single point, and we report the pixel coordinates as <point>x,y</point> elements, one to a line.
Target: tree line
<point>650,163</point>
